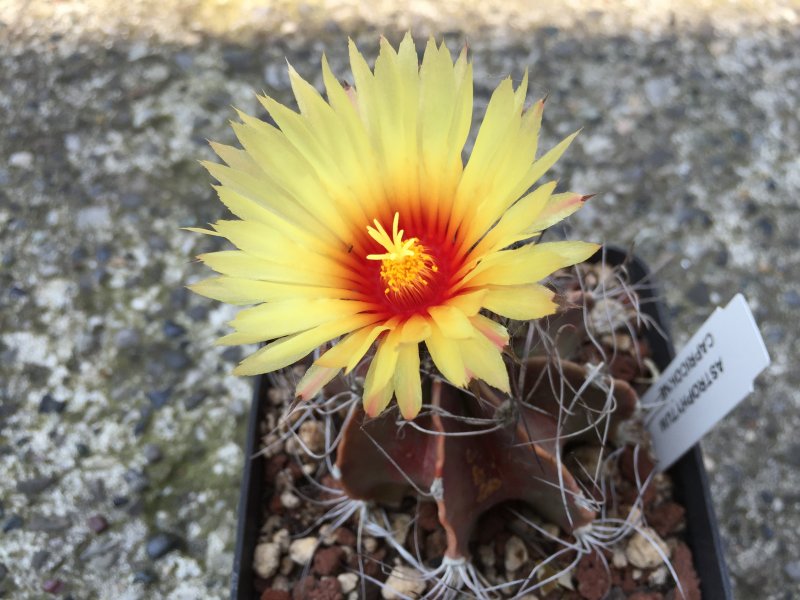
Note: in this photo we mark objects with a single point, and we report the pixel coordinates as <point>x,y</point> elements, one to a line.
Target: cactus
<point>381,460</point>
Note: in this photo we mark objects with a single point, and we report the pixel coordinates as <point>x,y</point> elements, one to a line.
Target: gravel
<point>690,134</point>
<point>161,544</point>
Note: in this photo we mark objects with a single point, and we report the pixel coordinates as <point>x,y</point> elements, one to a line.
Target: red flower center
<point>411,275</point>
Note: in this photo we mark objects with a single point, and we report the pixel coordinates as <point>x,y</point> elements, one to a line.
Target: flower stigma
<point>406,268</point>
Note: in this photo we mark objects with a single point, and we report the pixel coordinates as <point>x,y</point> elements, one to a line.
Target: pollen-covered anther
<point>406,267</point>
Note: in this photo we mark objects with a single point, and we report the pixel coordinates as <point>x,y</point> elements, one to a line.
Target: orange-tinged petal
<point>377,400</point>
<point>494,332</point>
<point>377,391</point>
<point>314,379</point>
<point>559,207</point>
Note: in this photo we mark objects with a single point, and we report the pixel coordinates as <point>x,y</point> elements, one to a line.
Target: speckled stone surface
<point>120,425</point>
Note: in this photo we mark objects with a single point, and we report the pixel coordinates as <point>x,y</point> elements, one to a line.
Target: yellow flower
<point>358,220</point>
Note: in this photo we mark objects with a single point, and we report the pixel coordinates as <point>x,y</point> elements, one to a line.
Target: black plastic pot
<point>688,473</point>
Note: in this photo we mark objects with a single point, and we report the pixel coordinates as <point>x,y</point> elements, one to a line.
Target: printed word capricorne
<point>686,366</point>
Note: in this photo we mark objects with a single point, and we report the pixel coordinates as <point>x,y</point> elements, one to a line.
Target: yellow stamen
<point>405,266</point>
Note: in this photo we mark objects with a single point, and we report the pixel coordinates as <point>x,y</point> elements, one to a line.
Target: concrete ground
<point>120,425</point>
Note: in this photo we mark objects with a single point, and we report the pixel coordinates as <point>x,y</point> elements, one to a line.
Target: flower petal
<point>520,217</point>
<point>469,303</point>
<point>528,264</point>
<point>272,320</point>
<point>349,351</point>
<point>284,351</point>
<point>483,360</point>
<point>376,400</point>
<point>240,290</point>
<point>378,387</point>
<point>558,207</point>
<point>406,381</point>
<point>447,357</point>
<point>236,263</point>
<point>523,302</point>
<point>415,330</point>
<point>494,332</point>
<point>384,361</point>
<point>451,321</point>
<point>314,379</point>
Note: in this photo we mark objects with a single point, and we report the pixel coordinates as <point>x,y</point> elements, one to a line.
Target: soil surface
<point>120,425</point>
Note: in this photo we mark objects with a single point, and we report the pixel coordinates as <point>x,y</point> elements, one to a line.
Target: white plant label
<point>711,375</point>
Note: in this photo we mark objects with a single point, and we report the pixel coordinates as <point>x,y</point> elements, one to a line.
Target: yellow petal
<point>277,319</point>
<point>289,173</point>
<point>558,207</point>
<point>203,231</point>
<point>260,240</point>
<point>365,84</point>
<point>384,362</point>
<point>522,302</point>
<point>378,387</point>
<point>240,264</point>
<point>349,351</point>
<point>237,159</point>
<point>451,321</point>
<point>249,209</point>
<point>447,357</point>
<point>500,119</point>
<point>516,219</point>
<point>508,166</point>
<point>484,361</point>
<point>469,303</point>
<point>522,90</point>
<point>240,290</point>
<point>440,113</point>
<point>407,383</point>
<point>462,112</point>
<point>343,139</point>
<point>541,166</point>
<point>283,352</point>
<point>267,193</point>
<point>357,138</point>
<point>415,330</point>
<point>528,264</point>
